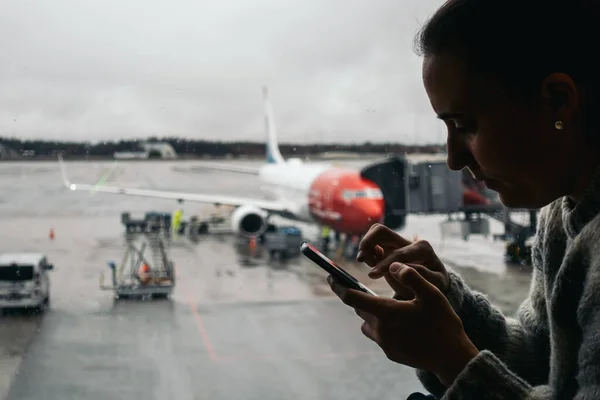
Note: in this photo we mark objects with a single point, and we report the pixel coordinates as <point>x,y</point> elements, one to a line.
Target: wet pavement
<point>238,326</point>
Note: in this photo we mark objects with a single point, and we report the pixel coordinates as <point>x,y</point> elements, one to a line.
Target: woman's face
<point>512,146</point>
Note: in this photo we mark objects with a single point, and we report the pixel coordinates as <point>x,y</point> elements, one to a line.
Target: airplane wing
<point>270,206</point>
<point>240,169</point>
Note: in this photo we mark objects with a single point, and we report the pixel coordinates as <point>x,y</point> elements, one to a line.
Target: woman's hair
<point>519,41</point>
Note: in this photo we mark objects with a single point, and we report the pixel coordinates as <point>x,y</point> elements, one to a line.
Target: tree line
<point>192,147</point>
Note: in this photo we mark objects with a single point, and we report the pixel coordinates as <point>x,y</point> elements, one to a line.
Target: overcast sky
<point>343,70</point>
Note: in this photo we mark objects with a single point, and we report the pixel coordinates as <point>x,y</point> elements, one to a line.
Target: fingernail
<point>359,256</point>
<point>394,268</point>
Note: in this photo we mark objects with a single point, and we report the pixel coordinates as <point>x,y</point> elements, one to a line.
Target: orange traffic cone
<point>51,234</point>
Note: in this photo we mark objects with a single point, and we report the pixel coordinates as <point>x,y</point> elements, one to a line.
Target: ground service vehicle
<point>24,280</point>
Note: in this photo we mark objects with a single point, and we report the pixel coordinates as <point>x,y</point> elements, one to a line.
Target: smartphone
<point>333,269</point>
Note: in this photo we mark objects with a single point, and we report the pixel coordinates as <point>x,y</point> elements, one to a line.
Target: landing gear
<point>203,229</point>
<point>355,243</point>
<point>348,246</point>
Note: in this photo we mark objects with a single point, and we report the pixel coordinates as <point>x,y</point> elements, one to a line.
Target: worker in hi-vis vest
<point>177,220</point>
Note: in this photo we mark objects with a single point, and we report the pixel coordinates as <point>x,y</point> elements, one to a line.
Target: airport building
<point>148,150</point>
<point>164,149</point>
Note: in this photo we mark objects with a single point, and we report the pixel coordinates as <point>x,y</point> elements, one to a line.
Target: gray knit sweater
<point>552,349</point>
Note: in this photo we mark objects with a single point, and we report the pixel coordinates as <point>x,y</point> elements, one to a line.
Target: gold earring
<point>558,125</point>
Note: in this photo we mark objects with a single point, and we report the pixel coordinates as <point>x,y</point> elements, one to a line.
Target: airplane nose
<point>373,211</point>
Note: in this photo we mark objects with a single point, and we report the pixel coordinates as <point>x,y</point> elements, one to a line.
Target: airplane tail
<point>273,154</point>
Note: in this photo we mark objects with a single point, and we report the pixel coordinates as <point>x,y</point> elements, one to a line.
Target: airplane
<point>473,197</point>
<point>348,201</point>
<point>475,192</point>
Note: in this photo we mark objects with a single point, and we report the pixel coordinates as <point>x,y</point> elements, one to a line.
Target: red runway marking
<point>261,357</point>
<point>199,324</point>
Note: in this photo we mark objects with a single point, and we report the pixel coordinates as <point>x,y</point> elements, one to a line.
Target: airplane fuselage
<point>321,193</point>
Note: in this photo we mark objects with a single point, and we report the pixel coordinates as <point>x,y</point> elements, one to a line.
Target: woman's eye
<point>463,127</point>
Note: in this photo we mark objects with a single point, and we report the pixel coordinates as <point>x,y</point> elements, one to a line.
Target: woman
<point>517,85</point>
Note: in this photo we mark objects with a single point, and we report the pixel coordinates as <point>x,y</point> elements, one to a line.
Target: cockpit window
<point>363,194</point>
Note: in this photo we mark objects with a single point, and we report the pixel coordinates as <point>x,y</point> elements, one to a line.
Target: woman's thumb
<point>411,279</point>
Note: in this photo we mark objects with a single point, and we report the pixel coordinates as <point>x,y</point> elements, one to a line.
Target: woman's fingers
<point>375,305</point>
<point>415,253</point>
<point>382,236</point>
<point>424,290</point>
<point>369,331</point>
<point>376,256</point>
<point>367,317</point>
<point>401,292</point>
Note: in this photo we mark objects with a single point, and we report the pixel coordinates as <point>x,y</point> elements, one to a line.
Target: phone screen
<point>333,269</point>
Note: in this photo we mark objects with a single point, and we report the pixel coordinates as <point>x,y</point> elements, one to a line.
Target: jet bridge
<point>390,176</point>
<point>430,187</point>
<point>424,188</point>
<point>433,188</point>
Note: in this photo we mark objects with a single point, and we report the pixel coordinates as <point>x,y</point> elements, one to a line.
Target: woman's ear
<point>560,98</point>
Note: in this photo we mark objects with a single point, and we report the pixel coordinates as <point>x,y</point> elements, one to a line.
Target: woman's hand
<point>423,333</point>
<point>381,247</point>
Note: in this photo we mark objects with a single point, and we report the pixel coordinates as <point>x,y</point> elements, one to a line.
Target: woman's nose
<point>459,155</point>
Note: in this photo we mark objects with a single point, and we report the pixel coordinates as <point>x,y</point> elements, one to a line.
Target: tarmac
<point>238,325</point>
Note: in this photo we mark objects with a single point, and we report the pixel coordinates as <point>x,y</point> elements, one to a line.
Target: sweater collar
<point>576,215</point>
